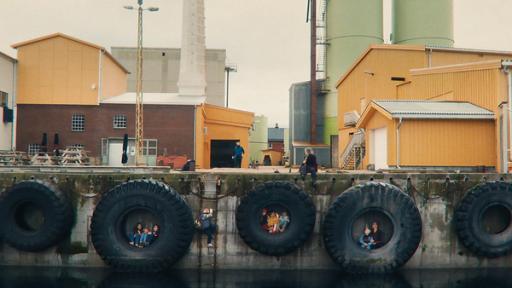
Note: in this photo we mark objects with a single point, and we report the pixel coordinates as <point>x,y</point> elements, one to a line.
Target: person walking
<point>309,165</point>
<point>238,155</point>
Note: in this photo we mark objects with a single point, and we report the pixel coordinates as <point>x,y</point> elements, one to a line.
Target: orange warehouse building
<point>401,72</point>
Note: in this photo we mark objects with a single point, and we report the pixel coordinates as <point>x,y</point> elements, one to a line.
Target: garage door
<point>380,148</point>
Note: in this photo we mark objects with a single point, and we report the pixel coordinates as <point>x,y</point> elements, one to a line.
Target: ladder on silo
<point>321,40</point>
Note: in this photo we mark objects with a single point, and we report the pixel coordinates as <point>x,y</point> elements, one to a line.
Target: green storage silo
<point>423,22</point>
<point>352,25</point>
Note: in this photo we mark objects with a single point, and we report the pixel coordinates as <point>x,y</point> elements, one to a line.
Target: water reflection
<point>92,278</point>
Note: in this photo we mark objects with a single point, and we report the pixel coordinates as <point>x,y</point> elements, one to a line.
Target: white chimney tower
<point>192,78</point>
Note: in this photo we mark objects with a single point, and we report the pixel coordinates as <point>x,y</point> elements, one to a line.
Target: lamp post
<point>229,68</point>
<point>139,124</point>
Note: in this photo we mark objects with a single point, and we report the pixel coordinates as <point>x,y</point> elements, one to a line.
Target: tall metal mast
<point>139,116</point>
<point>139,111</point>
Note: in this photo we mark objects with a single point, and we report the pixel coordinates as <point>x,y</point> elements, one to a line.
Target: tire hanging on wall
<point>283,196</point>
<point>469,217</point>
<point>372,202</point>
<point>109,221</point>
<point>34,216</point>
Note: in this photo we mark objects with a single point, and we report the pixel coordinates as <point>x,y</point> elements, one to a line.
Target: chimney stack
<point>192,77</point>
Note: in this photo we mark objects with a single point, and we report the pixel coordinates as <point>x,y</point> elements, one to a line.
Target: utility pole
<point>139,111</point>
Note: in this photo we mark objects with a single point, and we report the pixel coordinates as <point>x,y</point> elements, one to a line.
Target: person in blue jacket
<point>238,155</point>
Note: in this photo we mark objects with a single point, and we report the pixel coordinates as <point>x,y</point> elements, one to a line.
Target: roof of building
<point>164,49</point>
<point>415,48</point>
<point>425,109</point>
<point>275,134</point>
<point>62,35</point>
<point>8,57</point>
<point>462,67</point>
<point>307,144</point>
<point>155,99</point>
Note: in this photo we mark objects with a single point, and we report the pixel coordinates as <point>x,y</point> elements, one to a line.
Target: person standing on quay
<point>238,155</point>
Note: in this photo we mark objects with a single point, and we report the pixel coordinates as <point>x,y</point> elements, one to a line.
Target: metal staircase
<point>353,154</point>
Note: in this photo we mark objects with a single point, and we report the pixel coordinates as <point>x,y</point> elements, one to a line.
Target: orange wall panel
<point>114,79</point>
<point>58,71</point>
<point>363,86</point>
<point>447,143</point>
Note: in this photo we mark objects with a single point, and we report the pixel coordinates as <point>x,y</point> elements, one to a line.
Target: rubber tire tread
<point>466,232</point>
<point>55,206</point>
<point>400,248</point>
<point>171,246</point>
<point>298,203</point>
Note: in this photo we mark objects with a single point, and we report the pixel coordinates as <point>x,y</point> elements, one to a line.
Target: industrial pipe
<point>14,105</point>
<point>506,66</point>
<point>504,137</point>
<point>398,143</point>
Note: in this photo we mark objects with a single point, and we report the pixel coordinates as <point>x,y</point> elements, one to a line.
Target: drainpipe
<point>195,129</point>
<point>429,56</point>
<point>13,105</point>
<point>398,143</point>
<point>100,75</point>
<point>506,66</point>
<point>504,137</point>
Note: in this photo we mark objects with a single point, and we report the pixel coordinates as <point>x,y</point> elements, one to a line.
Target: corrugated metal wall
<point>447,143</point>
<point>480,87</point>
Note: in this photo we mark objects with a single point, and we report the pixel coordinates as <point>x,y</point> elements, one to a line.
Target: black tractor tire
<point>301,211</point>
<point>55,208</point>
<point>468,219</point>
<point>174,216</point>
<point>372,197</point>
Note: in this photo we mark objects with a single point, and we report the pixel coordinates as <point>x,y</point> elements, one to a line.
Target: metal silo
<point>423,22</point>
<point>352,25</point>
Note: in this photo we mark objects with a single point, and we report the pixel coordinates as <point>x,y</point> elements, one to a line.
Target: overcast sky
<point>267,39</point>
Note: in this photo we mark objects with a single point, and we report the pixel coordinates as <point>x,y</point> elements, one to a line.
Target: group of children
<point>371,238</point>
<point>143,236</point>
<point>273,221</point>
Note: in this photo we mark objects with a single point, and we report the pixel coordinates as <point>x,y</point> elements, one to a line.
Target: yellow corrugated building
<point>398,72</point>
<point>422,133</point>
<point>215,123</point>
<point>60,69</point>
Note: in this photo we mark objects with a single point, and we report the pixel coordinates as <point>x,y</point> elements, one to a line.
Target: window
<point>33,149</point>
<point>150,147</point>
<point>4,99</point>
<point>119,121</point>
<point>78,123</point>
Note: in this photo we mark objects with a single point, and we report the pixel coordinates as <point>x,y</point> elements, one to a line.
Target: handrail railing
<point>357,139</point>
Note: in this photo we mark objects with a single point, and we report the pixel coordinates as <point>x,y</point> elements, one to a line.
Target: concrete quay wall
<point>436,196</point>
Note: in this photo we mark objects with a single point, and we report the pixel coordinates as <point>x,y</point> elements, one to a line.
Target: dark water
<point>90,278</point>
